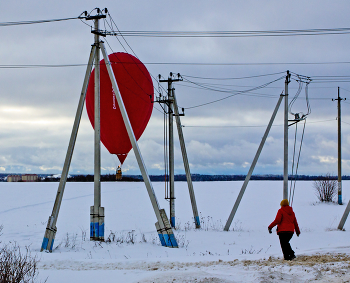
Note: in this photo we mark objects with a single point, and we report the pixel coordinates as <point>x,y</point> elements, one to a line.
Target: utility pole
<point>340,201</point>
<point>51,229</point>
<point>170,103</point>
<point>163,227</point>
<point>96,211</point>
<point>339,99</point>
<point>173,111</point>
<point>285,167</point>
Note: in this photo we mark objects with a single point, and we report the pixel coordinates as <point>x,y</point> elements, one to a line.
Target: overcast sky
<point>38,105</point>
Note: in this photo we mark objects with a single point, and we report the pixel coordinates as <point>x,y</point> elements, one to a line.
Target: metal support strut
<point>51,229</point>
<point>185,161</point>
<point>251,169</point>
<point>163,227</point>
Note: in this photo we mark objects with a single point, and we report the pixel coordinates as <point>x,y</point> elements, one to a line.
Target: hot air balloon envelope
<point>136,89</point>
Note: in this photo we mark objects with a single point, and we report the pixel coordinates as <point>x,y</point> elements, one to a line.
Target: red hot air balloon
<point>136,88</point>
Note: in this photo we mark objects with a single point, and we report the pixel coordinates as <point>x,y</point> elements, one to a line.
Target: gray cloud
<point>38,105</point>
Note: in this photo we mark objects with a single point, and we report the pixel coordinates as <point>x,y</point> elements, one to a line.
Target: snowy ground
<point>247,253</point>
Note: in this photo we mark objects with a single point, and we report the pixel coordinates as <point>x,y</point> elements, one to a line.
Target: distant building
<point>14,178</point>
<point>29,177</point>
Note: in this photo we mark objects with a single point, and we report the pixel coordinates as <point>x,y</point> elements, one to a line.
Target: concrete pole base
<point>49,236</point>
<point>97,225</point>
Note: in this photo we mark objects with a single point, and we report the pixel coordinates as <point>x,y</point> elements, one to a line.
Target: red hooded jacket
<point>285,221</point>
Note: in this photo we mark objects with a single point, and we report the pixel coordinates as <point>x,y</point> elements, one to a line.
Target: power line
<point>6,24</point>
<point>111,26</point>
<point>29,66</point>
<point>236,93</point>
<point>261,33</point>
<point>251,126</point>
<point>237,78</point>
<point>246,64</point>
<point>19,66</point>
<point>345,90</point>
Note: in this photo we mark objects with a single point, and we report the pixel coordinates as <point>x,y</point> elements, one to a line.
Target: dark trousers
<point>288,253</point>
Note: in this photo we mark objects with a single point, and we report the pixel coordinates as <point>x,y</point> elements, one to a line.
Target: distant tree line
<point>195,178</point>
<point>182,177</point>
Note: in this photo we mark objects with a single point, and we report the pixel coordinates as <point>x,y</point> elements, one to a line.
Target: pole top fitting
<point>100,14</point>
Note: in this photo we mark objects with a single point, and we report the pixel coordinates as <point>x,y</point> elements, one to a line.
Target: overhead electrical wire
<point>213,87</point>
<point>6,66</point>
<point>111,27</point>
<point>6,24</point>
<point>247,64</point>
<point>237,78</point>
<point>226,97</point>
<point>194,34</point>
<point>125,69</point>
<point>256,33</point>
<point>344,89</point>
<point>252,126</point>
<point>301,80</point>
<point>29,66</point>
<point>135,82</point>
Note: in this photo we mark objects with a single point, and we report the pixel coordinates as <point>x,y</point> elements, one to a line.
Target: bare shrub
<point>17,266</point>
<point>326,188</point>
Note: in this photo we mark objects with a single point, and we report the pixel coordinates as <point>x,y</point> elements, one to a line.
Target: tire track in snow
<point>42,203</point>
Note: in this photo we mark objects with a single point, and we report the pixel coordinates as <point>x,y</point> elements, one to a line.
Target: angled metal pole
<point>344,217</point>
<point>285,150</point>
<point>251,169</point>
<point>185,161</point>
<point>164,229</point>
<point>51,229</point>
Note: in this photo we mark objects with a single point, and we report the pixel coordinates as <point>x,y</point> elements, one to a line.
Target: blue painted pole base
<point>49,236</point>
<point>172,222</point>
<point>97,226</point>
<point>197,222</point>
<point>340,201</point>
<point>97,231</point>
<point>170,240</point>
<point>161,238</point>
<point>44,244</point>
<point>165,232</point>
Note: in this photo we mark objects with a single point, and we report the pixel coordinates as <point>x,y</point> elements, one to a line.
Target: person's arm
<point>277,220</point>
<point>296,226</point>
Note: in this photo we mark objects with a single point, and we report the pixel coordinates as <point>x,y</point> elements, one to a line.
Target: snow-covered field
<point>247,253</point>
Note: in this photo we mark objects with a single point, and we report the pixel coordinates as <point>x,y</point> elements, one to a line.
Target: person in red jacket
<point>286,225</point>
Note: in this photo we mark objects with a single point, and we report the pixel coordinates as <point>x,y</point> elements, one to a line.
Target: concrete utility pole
<point>340,201</point>
<point>163,227</point>
<point>97,231</point>
<point>171,154</point>
<point>51,228</point>
<point>170,103</point>
<point>96,211</point>
<point>285,164</point>
<point>173,110</point>
<point>339,99</point>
